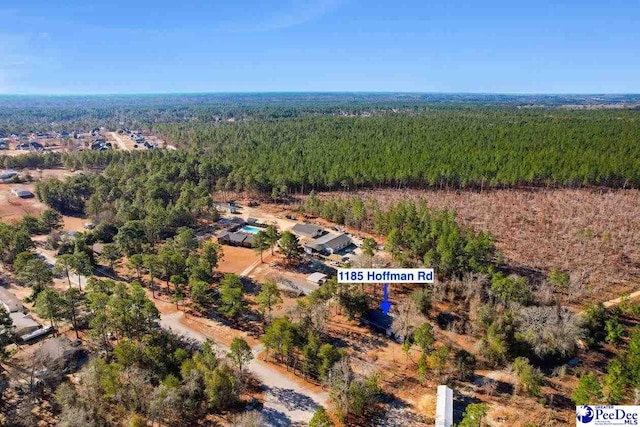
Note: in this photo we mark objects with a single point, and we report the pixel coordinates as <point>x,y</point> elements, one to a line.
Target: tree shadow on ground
<point>274,418</point>
<point>250,286</point>
<point>460,403</point>
<point>106,272</point>
<point>558,400</point>
<point>395,412</point>
<point>501,387</point>
<point>291,399</point>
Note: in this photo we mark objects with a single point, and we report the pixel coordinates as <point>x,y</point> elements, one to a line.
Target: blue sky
<point>141,46</point>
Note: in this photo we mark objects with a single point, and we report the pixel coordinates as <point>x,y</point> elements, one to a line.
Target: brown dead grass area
<point>399,377</point>
<point>376,353</point>
<point>512,414</point>
<point>73,223</point>
<point>578,230</point>
<point>236,259</point>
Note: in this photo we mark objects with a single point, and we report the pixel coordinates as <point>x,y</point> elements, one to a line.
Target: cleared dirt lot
<point>13,208</point>
<point>236,259</point>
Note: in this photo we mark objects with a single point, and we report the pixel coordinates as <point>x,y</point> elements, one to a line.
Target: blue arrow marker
<point>385,305</point>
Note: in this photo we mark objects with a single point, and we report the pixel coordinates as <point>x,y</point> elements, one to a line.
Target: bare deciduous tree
<point>249,419</point>
<point>319,315</point>
<point>406,319</point>
<point>551,331</point>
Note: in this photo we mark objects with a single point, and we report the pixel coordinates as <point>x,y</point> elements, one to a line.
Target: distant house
<point>7,174</point>
<point>308,230</point>
<point>241,239</point>
<point>10,302</point>
<point>32,145</point>
<point>317,278</point>
<point>22,193</point>
<point>231,224</point>
<point>329,243</point>
<point>60,354</point>
<point>100,144</point>
<point>237,238</point>
<point>228,207</point>
<point>24,324</point>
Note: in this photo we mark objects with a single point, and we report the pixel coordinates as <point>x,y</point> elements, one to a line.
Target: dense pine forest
<point>289,148</point>
<point>452,148</point>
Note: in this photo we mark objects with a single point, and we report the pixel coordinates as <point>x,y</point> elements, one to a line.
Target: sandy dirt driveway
<point>120,141</point>
<point>287,403</point>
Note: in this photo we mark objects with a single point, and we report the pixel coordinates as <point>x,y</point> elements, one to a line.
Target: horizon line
<point>293,92</point>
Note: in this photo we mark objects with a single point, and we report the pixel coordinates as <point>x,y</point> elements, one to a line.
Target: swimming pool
<point>250,229</point>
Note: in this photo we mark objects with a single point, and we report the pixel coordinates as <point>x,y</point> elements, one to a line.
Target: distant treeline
<point>20,114</point>
<point>440,148</point>
<point>461,148</point>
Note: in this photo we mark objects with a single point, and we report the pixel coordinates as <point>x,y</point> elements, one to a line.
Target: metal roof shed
<point>317,278</point>
<point>307,230</point>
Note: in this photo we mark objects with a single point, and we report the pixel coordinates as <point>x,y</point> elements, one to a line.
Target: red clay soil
<point>236,259</point>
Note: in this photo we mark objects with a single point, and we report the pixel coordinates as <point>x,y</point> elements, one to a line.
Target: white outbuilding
<point>444,407</point>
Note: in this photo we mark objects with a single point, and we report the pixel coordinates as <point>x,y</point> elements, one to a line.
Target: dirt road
<point>247,271</point>
<point>121,144</point>
<point>616,301</point>
<point>287,403</point>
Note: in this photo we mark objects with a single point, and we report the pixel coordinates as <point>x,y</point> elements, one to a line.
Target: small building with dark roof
<point>248,242</point>
<point>223,236</point>
<point>236,238</point>
<point>22,193</point>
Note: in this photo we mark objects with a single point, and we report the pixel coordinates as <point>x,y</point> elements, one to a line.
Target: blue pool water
<point>250,229</point>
